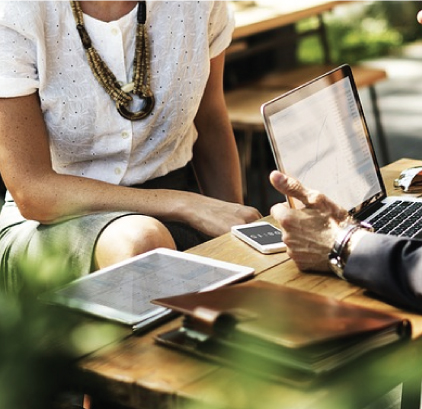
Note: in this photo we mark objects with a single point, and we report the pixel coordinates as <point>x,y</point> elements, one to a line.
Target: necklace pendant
<point>148,106</point>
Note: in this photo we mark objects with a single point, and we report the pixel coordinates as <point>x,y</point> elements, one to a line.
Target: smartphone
<point>262,236</point>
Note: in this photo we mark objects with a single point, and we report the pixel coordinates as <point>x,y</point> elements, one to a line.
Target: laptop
<point>318,134</point>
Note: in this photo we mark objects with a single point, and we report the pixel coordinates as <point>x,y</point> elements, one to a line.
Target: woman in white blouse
<point>90,175</point>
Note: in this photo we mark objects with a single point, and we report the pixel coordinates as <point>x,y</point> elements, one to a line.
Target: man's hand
<point>309,233</point>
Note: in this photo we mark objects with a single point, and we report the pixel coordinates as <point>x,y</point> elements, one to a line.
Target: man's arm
<point>388,266</point>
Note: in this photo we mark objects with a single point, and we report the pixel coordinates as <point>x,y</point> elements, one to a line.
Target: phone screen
<point>262,234</point>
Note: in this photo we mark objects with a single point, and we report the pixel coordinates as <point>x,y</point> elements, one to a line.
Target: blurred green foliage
<point>363,30</point>
<point>40,346</point>
<point>39,343</point>
<point>398,15</point>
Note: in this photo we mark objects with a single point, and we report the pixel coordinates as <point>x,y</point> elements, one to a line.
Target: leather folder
<point>279,332</point>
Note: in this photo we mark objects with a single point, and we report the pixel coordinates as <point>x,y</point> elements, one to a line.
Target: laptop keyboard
<point>399,219</point>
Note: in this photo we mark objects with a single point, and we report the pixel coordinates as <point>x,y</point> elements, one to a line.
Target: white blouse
<point>40,50</point>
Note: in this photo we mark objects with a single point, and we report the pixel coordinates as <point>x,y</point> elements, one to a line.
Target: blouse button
<point>114,31</point>
<point>125,134</point>
<point>117,171</point>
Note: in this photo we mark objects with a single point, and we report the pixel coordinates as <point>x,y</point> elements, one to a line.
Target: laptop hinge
<point>369,210</point>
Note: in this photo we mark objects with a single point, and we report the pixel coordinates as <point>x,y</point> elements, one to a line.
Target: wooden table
<point>258,19</point>
<point>265,22</point>
<point>139,374</point>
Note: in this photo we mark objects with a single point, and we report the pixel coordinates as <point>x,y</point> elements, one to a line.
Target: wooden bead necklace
<point>140,85</point>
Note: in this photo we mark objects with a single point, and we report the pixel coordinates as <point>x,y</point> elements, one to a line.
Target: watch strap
<point>338,255</point>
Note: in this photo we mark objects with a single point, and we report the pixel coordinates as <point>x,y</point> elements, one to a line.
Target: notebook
<point>318,134</point>
<point>278,332</point>
<point>123,292</point>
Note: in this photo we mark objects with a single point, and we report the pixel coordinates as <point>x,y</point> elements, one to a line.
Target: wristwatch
<point>338,255</point>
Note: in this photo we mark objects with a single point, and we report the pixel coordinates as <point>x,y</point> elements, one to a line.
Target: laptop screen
<point>319,135</point>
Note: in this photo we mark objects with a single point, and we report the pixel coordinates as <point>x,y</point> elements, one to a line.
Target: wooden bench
<point>244,108</point>
<point>364,76</point>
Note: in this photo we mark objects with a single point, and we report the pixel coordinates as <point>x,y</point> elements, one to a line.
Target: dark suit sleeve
<point>390,267</point>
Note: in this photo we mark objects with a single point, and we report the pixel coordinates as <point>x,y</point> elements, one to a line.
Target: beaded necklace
<point>140,85</point>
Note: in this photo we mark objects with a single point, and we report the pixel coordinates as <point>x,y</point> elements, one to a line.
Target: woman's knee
<point>129,236</point>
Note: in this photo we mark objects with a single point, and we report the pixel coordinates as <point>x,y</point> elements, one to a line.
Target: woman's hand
<point>215,217</point>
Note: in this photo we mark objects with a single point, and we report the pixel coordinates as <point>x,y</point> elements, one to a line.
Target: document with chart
<point>123,292</point>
